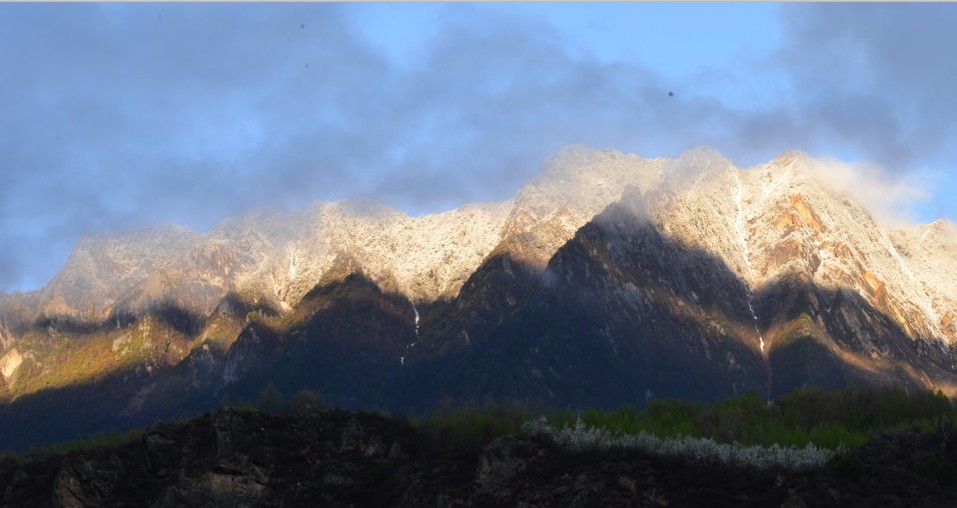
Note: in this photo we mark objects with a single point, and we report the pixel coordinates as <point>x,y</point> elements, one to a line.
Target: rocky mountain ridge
<point>687,277</point>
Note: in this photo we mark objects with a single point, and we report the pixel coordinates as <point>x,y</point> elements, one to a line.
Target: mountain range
<point>608,279</point>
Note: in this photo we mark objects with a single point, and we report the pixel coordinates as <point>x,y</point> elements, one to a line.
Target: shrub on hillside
<point>582,438</point>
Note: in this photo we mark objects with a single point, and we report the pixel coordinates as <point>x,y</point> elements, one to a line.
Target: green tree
<point>307,398</point>
<point>270,400</point>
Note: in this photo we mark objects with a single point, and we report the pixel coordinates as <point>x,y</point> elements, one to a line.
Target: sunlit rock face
<point>9,363</point>
<point>607,276</point>
<point>764,223</point>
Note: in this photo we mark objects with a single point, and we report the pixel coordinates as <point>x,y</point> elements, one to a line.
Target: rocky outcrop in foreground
<point>335,458</point>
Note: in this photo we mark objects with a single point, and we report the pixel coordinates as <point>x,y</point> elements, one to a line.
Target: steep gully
<point>746,253</point>
<point>412,345</point>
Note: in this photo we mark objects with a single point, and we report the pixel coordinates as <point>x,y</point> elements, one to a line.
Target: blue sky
<point>120,116</point>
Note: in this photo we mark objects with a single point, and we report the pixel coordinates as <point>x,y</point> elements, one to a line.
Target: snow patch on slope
<point>740,226</point>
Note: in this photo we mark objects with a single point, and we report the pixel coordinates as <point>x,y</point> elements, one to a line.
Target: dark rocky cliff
<point>336,458</point>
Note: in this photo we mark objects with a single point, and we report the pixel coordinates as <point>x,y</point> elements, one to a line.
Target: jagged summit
<point>745,216</point>
<point>788,159</point>
<point>689,277</point>
<point>764,222</point>
<point>277,257</point>
<point>574,186</point>
<point>102,266</point>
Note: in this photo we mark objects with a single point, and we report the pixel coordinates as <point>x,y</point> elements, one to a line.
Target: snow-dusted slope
<point>102,267</point>
<point>931,252</point>
<point>803,226</point>
<point>423,258</point>
<point>763,276</point>
<point>776,220</point>
<point>576,184</point>
<point>765,223</point>
<point>276,258</point>
<point>702,203</point>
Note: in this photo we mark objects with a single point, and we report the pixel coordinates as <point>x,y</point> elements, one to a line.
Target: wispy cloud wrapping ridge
<point>119,116</point>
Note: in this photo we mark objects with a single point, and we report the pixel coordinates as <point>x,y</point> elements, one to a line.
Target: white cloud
<point>119,116</point>
<point>891,197</point>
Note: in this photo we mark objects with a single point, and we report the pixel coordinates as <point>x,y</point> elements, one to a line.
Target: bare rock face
<point>502,459</point>
<point>86,481</point>
<point>9,363</point>
<point>240,459</point>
